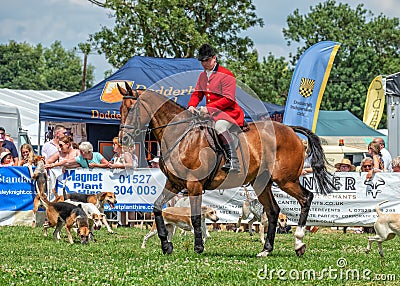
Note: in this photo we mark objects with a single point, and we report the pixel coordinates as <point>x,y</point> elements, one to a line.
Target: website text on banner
<point>308,85</point>
<point>136,190</point>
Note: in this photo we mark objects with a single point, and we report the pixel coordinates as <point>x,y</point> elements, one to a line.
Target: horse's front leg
<point>195,205</point>
<point>168,193</point>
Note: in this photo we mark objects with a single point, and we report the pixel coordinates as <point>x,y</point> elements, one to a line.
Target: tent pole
<point>38,149</point>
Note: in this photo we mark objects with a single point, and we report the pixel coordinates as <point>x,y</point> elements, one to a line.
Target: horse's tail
<point>323,179</point>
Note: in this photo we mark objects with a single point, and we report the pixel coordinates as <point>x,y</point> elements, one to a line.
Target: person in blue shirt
<point>8,145</point>
<point>87,159</point>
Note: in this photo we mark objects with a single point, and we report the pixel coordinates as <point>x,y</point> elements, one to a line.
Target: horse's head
<point>128,99</point>
<point>139,109</point>
<point>131,124</point>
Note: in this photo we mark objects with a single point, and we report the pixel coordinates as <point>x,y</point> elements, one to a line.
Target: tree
<point>175,28</point>
<point>23,66</point>
<point>369,47</point>
<point>63,69</point>
<point>19,66</point>
<point>269,79</point>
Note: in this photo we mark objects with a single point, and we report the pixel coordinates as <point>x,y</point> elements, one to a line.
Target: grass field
<point>332,258</point>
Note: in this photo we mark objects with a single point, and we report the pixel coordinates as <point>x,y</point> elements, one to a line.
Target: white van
<point>334,154</point>
<point>10,119</point>
<point>355,148</point>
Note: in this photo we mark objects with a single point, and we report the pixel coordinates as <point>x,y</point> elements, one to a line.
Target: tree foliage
<point>269,79</point>
<point>23,66</point>
<point>175,28</point>
<point>369,47</point>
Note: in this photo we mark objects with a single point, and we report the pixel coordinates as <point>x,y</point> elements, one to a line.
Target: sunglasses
<point>367,166</point>
<point>61,145</point>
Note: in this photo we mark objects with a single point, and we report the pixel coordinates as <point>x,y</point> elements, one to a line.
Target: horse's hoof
<point>167,247</point>
<point>301,250</point>
<point>198,248</point>
<point>263,253</point>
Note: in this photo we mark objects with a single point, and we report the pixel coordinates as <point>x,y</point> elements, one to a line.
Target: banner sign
<point>308,85</point>
<point>136,190</point>
<point>16,189</point>
<point>374,103</point>
<point>353,204</point>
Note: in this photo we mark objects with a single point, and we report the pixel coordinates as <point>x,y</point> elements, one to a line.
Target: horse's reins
<point>191,126</point>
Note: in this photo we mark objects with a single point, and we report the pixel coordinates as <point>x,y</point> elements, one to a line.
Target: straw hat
<point>3,155</point>
<point>347,162</point>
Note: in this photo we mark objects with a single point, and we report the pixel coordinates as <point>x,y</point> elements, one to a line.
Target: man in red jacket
<point>218,85</point>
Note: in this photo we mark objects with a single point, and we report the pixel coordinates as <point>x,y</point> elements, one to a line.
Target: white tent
<point>27,102</point>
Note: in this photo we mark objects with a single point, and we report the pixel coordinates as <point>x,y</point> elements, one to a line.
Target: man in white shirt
<point>51,147</point>
<point>386,157</point>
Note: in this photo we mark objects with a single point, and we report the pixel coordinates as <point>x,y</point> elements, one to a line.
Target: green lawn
<point>331,258</point>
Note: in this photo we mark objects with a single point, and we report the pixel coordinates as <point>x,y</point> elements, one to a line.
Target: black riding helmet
<point>205,52</point>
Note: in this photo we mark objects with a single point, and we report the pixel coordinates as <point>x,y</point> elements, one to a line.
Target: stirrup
<point>230,168</point>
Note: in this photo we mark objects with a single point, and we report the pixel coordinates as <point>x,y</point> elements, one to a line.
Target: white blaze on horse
<point>269,152</point>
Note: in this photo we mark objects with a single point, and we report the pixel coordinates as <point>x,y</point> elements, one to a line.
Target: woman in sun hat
<point>345,166</point>
<point>6,159</point>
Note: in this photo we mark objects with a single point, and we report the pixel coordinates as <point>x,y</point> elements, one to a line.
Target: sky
<point>71,22</point>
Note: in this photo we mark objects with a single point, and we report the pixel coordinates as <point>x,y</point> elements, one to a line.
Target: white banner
<point>352,205</point>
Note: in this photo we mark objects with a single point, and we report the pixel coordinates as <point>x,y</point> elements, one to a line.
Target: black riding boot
<point>232,164</point>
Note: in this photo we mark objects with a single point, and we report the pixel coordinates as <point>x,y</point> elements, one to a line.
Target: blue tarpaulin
<point>174,78</point>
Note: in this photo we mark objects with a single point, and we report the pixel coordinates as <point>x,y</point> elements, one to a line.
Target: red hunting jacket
<point>219,90</point>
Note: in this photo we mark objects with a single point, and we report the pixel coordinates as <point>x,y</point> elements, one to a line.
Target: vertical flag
<point>308,84</point>
<point>374,103</point>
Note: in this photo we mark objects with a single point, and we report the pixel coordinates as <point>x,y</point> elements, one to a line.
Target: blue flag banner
<point>308,85</point>
<point>16,189</point>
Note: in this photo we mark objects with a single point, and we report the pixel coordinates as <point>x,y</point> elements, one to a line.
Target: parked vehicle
<point>10,119</point>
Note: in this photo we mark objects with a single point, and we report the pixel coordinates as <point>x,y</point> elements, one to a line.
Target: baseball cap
<point>155,160</point>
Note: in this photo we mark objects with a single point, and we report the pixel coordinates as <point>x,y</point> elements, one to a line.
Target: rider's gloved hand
<point>203,110</point>
<point>192,109</point>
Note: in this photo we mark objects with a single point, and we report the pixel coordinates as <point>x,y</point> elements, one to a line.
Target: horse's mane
<point>171,106</point>
<point>167,100</point>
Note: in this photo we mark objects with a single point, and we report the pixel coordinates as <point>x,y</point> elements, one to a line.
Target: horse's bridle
<point>136,129</point>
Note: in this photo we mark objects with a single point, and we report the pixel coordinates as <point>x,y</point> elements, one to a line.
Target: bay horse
<point>273,153</point>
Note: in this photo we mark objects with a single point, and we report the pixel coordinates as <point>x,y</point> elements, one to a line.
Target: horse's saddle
<point>215,142</point>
